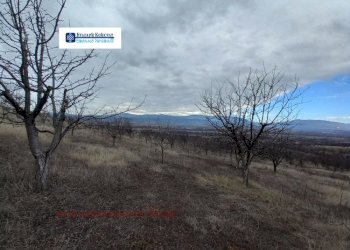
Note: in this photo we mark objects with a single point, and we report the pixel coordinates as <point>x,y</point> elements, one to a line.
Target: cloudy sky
<point>174,49</point>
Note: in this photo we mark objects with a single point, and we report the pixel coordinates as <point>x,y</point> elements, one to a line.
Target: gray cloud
<point>172,50</point>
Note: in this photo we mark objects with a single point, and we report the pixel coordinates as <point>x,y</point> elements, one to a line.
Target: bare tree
<point>245,110</point>
<point>117,128</point>
<point>171,137</point>
<point>205,141</point>
<point>127,127</point>
<point>37,78</point>
<point>146,133</point>
<point>275,148</point>
<point>183,138</point>
<point>161,137</point>
<point>112,129</point>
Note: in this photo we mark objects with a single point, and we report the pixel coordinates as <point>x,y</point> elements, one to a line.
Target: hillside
<point>200,199</point>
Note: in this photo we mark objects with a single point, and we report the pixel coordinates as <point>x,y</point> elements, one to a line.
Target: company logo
<point>90,38</point>
<point>70,37</point>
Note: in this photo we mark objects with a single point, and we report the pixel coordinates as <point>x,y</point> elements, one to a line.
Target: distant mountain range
<point>190,121</point>
<point>200,121</point>
<point>320,126</point>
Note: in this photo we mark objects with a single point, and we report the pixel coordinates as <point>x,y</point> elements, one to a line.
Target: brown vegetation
<point>296,208</point>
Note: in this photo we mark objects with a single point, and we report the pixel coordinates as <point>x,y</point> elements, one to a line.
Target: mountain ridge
<point>193,121</point>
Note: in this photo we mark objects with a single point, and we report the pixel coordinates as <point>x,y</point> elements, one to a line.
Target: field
<point>295,208</point>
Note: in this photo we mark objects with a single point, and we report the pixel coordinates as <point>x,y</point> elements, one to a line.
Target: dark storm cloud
<point>173,50</point>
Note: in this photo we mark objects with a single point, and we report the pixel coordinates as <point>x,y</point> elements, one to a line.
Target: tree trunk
<point>41,176</point>
<point>162,155</point>
<point>246,164</point>
<point>41,181</point>
<point>274,167</point>
<point>113,141</point>
<point>246,175</point>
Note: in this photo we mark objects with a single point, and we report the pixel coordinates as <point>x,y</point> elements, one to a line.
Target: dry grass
<point>97,156</point>
<point>292,209</point>
<point>16,131</point>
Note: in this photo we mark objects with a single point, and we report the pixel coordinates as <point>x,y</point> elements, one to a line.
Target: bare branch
<point>244,111</point>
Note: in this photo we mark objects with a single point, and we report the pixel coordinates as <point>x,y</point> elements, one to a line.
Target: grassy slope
<point>294,208</point>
